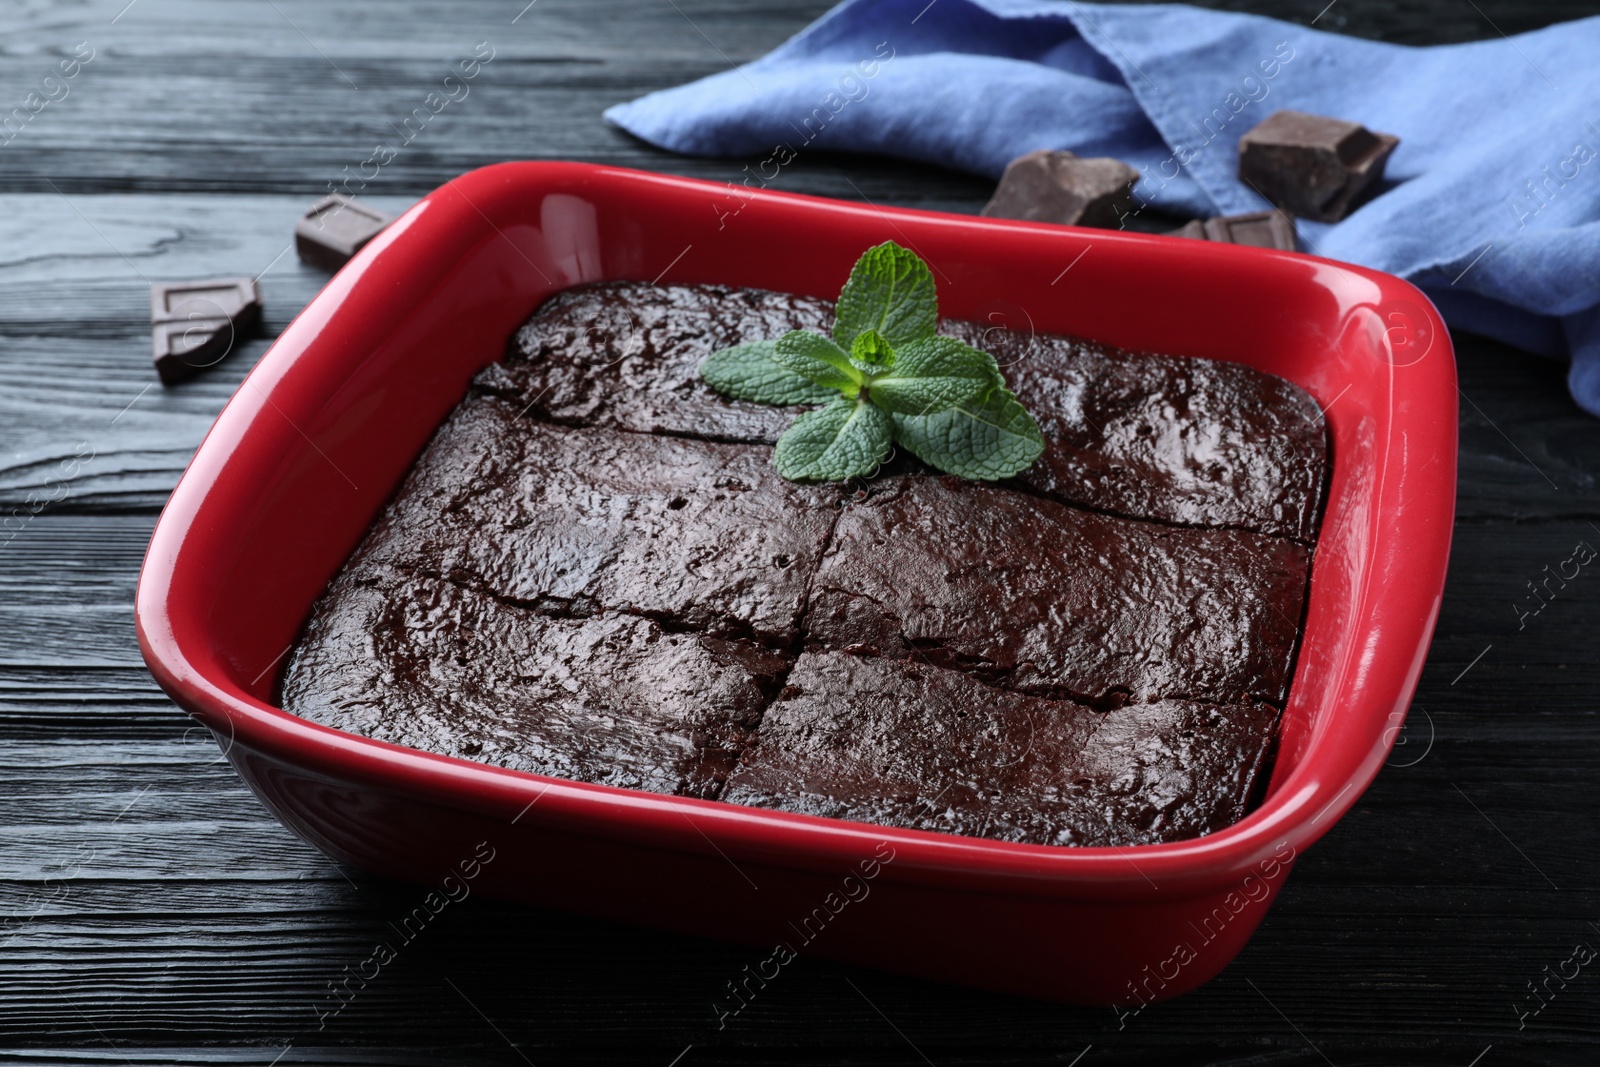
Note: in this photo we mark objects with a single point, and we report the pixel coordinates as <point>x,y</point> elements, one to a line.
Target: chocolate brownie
<point>415,660</point>
<point>627,356</point>
<point>907,743</point>
<point>594,572</point>
<point>1033,595</point>
<point>1188,441</point>
<point>697,532</point>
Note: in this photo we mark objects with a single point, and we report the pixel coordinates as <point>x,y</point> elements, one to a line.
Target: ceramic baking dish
<point>322,431</point>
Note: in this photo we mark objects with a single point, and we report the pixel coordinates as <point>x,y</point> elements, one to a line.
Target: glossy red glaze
<point>325,427</point>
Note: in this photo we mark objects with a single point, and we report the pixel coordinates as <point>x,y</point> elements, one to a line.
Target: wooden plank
<point>83,420</point>
<point>106,435</point>
<point>216,972</point>
<point>198,930</point>
<point>320,86</point>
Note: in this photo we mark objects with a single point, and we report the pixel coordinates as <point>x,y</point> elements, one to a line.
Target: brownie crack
<point>915,465</point>
<point>1021,489</point>
<point>793,651</point>
<point>595,572</point>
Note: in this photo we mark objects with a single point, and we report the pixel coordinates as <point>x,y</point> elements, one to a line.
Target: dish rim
<point>1327,781</point>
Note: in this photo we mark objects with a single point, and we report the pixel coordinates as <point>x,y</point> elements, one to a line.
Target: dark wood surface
<point>152,912</point>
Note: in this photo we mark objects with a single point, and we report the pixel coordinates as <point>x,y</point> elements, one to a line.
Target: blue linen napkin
<point>1491,204</point>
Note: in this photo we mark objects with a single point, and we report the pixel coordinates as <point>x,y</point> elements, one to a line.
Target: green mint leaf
<point>945,401</point>
<point>749,372</point>
<point>870,351</point>
<point>932,375</point>
<point>891,291</point>
<point>987,440</point>
<point>846,439</point>
<point>819,360</point>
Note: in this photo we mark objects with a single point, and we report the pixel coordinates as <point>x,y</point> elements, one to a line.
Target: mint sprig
<point>885,377</point>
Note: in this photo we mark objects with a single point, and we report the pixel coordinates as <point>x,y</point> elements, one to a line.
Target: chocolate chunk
<point>183,349</point>
<point>1312,166</point>
<point>1261,229</point>
<point>335,229</point>
<point>1060,187</point>
<point>195,324</point>
<point>905,743</point>
<point>235,299</point>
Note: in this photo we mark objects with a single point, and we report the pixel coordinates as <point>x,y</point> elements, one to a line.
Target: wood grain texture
<point>308,90</point>
<point>152,912</point>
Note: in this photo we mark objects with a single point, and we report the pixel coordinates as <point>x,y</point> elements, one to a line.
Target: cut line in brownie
<point>614,698</point>
<point>594,572</point>
<point>1000,583</point>
<point>1185,441</point>
<point>701,534</point>
<point>905,743</point>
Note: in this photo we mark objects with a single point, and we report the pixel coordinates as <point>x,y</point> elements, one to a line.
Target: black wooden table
<point>152,912</point>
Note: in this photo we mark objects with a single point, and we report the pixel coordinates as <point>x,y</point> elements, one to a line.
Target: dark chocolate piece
<point>1260,229</point>
<point>195,324</point>
<point>1052,600</point>
<point>905,743</point>
<point>1059,187</point>
<point>235,299</point>
<point>1312,166</point>
<point>335,229</point>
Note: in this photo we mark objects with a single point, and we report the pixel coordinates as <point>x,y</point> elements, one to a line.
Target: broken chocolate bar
<point>1312,166</point>
<point>195,324</point>
<point>1060,187</point>
<point>335,229</point>
<point>183,349</point>
<point>1262,229</point>
<point>235,299</point>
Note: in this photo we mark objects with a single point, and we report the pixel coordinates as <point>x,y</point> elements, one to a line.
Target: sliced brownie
<point>594,572</point>
<point>627,356</point>
<point>906,743</point>
<point>613,699</point>
<point>1045,598</point>
<point>1189,441</point>
<point>701,534</point>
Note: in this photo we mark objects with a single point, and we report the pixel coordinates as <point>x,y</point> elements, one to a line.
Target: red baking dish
<point>323,430</point>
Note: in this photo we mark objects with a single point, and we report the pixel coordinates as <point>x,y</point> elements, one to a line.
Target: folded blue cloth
<point>1490,204</point>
